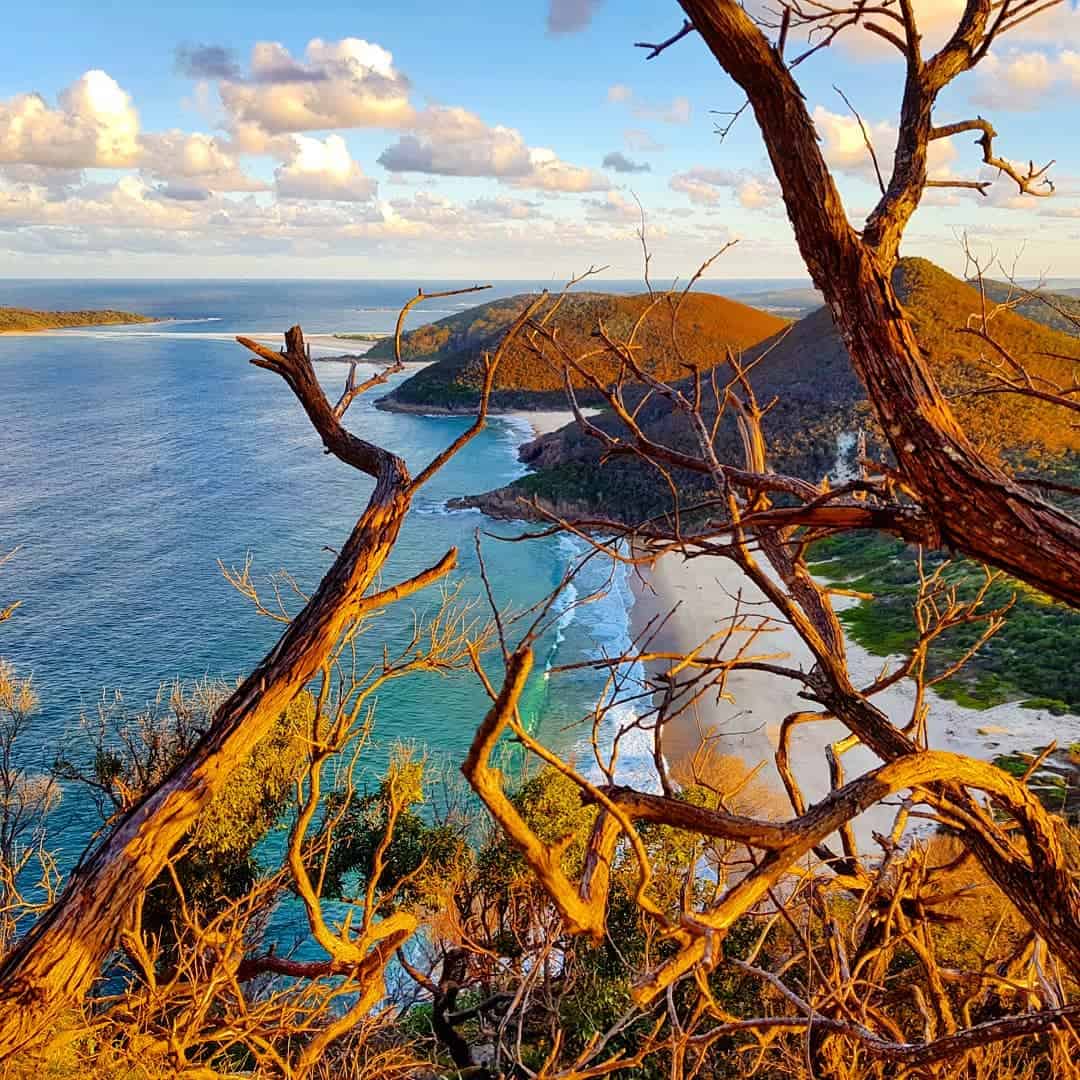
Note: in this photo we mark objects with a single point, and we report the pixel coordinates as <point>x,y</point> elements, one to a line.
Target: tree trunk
<point>978,510</point>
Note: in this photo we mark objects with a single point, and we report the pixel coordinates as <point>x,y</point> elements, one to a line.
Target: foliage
<point>1058,310</point>
<point>707,326</point>
<point>132,752</point>
<point>1032,658</point>
<point>806,372</point>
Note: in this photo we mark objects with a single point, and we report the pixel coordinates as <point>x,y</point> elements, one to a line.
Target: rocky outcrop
<point>511,504</point>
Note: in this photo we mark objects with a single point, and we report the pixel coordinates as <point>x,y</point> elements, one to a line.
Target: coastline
<point>24,331</point>
<point>545,421</point>
<point>745,722</point>
<point>678,604</point>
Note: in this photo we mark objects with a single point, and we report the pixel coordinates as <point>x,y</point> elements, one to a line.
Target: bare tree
<point>939,492</point>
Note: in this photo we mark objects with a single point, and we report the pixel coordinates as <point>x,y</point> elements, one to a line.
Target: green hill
<point>819,398</point>
<point>24,319</point>
<point>455,347</point>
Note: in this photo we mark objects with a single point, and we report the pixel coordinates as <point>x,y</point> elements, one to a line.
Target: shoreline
<point>745,723</point>
<point>541,421</point>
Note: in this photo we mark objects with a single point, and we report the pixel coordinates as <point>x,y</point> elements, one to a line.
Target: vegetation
<point>707,325</point>
<point>1058,310</point>
<point>805,369</point>
<point>1031,659</point>
<point>24,319</point>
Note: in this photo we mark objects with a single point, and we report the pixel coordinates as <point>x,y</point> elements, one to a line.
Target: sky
<point>413,139</point>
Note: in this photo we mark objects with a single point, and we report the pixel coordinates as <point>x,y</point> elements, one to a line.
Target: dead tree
<point>56,962</point>
<point>975,508</point>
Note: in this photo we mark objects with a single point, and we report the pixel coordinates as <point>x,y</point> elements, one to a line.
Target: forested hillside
<point>707,326</point>
<point>805,368</point>
<point>1058,310</point>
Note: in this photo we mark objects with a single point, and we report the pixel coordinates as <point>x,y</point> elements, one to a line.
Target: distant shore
<point>31,321</point>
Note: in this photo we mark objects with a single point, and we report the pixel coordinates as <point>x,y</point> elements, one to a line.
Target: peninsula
<point>27,320</point>
<point>530,376</point>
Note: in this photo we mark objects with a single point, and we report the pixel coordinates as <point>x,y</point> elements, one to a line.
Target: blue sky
<point>414,139</point>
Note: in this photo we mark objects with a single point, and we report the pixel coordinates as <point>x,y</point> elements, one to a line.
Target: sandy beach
<point>546,421</point>
<point>745,722</point>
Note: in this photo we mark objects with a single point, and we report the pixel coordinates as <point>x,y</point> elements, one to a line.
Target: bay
<point>132,459</point>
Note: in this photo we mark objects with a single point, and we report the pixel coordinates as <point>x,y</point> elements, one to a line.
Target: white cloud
<point>704,187</point>
<point>456,142</point>
<point>1023,80</point>
<point>845,149</point>
<point>94,125</point>
<point>619,94</point>
<point>339,84</point>
<point>179,155</point>
<point>322,169</point>
<point>548,173</point>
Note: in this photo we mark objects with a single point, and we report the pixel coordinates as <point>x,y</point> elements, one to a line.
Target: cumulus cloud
<point>135,215</point>
<point>622,164</point>
<point>322,169</point>
<point>95,124</point>
<point>1023,80</point>
<point>568,16</point>
<point>677,111</point>
<point>206,62</point>
<point>339,84</point>
<point>186,156</point>
<point>456,142</point>
<point>704,187</point>
<point>845,149</point>
<point>548,172</point>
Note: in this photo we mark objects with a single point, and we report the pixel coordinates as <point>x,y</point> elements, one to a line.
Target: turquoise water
<point>132,459</point>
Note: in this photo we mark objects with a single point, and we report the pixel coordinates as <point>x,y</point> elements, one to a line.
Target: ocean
<point>132,459</point>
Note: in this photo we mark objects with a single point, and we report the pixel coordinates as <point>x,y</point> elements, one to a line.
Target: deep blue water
<point>132,459</point>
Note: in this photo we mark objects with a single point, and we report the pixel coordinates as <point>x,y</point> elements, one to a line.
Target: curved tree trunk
<point>975,507</point>
<point>55,964</point>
